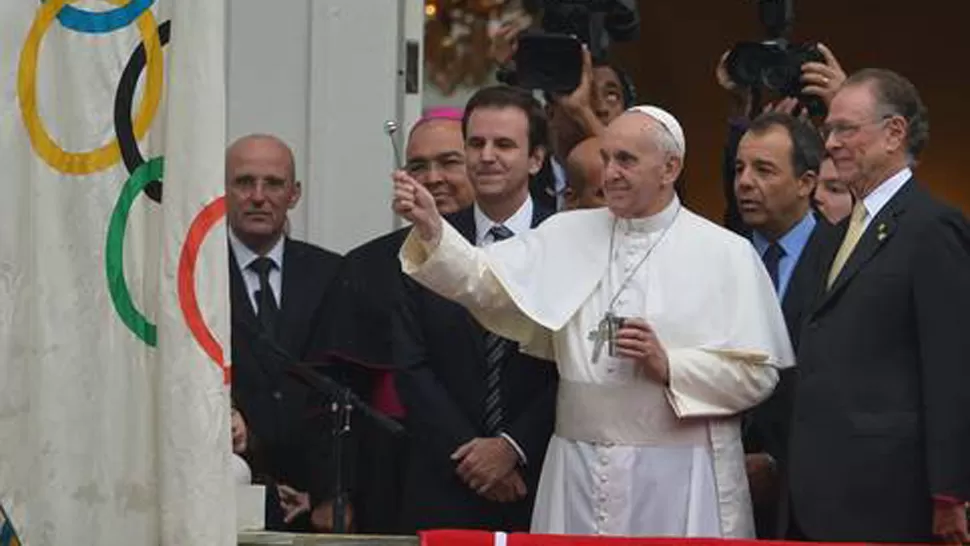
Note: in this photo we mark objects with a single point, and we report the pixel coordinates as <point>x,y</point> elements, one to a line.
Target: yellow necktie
<point>852,236</point>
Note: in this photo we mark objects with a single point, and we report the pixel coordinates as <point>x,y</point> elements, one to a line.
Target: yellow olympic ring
<point>106,156</point>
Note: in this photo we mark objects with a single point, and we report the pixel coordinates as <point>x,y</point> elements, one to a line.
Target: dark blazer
<point>279,410</point>
<point>369,287</point>
<point>881,423</point>
<point>767,427</point>
<point>370,284</point>
<point>440,352</point>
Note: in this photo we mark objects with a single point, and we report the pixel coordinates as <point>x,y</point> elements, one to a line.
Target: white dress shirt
<point>877,199</point>
<point>245,256</point>
<point>519,222</point>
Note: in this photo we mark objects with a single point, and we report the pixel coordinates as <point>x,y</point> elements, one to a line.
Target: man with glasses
<point>881,433</point>
<point>369,288</point>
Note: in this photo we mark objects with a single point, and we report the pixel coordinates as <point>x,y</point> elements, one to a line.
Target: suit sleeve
<point>431,410</point>
<point>942,299</point>
<point>531,430</point>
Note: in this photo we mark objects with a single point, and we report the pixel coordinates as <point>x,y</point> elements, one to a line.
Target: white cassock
<point>630,456</point>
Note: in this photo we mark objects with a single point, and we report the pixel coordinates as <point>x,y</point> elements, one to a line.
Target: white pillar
<point>325,75</point>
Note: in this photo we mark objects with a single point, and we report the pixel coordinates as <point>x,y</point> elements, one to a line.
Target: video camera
<point>775,64</point>
<point>551,58</point>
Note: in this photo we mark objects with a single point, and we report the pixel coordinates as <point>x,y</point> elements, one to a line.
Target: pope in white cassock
<point>647,439</point>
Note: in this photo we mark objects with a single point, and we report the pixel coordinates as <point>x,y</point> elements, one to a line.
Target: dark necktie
<point>266,309</point>
<point>772,257</point>
<point>497,349</point>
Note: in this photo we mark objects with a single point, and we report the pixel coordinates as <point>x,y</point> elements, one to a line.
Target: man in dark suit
<point>370,284</point>
<point>776,170</point>
<point>278,292</point>
<point>881,433</point>
<point>479,413</point>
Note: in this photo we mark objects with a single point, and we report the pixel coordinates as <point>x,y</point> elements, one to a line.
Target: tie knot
<point>774,252</point>
<point>262,265</point>
<point>500,233</point>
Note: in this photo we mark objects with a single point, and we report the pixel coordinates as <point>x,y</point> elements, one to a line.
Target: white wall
<point>325,75</point>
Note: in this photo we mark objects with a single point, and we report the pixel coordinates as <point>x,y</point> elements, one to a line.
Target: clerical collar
<point>245,255</point>
<point>650,224</point>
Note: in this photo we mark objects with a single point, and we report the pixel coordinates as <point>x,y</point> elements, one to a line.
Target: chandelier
<point>460,39</point>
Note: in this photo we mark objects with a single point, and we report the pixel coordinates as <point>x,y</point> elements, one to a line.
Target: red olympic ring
<point>201,225</point>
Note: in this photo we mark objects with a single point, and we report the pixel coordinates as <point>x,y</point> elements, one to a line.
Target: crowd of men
<point>571,350</point>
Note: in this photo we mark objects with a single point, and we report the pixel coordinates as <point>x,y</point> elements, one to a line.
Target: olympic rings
<point>124,96</point>
<point>79,163</point>
<point>114,252</point>
<point>102,22</point>
<point>201,227</point>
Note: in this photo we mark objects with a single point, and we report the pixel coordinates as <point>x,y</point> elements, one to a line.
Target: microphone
<point>390,128</point>
<point>308,374</point>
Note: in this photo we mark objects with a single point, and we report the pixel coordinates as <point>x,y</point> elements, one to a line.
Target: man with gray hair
<point>664,327</point>
<point>881,432</point>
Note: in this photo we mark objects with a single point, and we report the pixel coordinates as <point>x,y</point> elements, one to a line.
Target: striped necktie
<point>497,350</point>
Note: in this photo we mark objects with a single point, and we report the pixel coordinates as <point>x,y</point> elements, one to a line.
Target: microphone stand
<point>342,405</point>
<point>343,402</point>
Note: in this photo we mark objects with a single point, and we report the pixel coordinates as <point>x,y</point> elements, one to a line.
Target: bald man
<point>664,326</point>
<point>584,176</point>
<point>277,288</point>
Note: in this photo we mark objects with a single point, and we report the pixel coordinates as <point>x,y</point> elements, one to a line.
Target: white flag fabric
<point>114,299</point>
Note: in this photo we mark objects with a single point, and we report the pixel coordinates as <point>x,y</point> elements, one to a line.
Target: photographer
<point>819,79</point>
<point>603,93</point>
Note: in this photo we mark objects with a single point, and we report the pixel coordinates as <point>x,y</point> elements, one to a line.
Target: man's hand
<point>636,340</point>
<point>293,502</point>
<point>742,95</point>
<point>762,478</point>
<point>321,519</point>
<point>509,489</point>
<point>950,522</point>
<point>414,203</point>
<point>581,98</point>
<point>823,79</point>
<point>484,461</point>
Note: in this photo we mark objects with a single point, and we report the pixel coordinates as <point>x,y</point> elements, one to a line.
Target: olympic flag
<point>114,404</point>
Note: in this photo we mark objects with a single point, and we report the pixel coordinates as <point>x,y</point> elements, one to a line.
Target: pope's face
<point>639,170</point>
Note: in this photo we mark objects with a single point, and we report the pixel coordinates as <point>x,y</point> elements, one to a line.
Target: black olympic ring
<point>124,99</point>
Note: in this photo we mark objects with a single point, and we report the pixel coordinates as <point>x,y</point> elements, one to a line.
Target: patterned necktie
<point>772,258</point>
<point>852,236</point>
<point>497,349</point>
<point>266,309</point>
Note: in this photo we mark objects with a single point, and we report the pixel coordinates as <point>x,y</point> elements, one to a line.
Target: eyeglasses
<point>842,129</point>
<point>422,167</point>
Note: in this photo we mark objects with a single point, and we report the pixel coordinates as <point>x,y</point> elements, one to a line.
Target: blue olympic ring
<point>102,22</point>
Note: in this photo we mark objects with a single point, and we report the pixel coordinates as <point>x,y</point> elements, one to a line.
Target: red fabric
<point>945,500</point>
<point>485,538</point>
<point>385,396</point>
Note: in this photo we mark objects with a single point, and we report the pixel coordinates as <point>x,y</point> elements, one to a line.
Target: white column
<point>267,84</point>
<point>325,75</point>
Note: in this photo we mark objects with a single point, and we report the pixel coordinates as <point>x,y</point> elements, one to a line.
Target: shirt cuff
<point>516,447</point>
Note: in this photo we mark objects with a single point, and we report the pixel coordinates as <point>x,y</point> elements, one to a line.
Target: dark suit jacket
<point>441,379</point>
<point>295,447</point>
<point>881,423</point>
<point>369,287</point>
<point>767,426</point>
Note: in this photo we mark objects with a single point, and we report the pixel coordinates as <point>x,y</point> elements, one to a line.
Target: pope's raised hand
<point>413,202</point>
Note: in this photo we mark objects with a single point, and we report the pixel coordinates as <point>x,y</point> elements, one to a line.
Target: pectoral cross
<point>601,334</point>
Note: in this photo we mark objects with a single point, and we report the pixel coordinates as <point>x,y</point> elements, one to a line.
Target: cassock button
<point>277,395</point>
<point>604,460</point>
